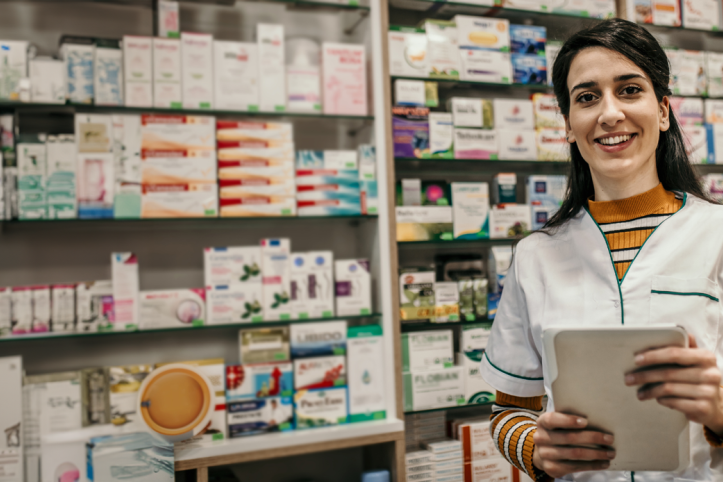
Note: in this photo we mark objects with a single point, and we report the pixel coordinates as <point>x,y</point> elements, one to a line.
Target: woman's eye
<point>631,90</point>
<point>586,98</point>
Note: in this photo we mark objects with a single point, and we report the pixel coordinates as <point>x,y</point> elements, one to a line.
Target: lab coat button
<point>617,304</point>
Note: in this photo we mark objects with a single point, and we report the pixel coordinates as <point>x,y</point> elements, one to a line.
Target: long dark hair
<point>637,44</point>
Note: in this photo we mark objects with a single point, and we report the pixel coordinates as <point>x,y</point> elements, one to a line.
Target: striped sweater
<point>626,223</point>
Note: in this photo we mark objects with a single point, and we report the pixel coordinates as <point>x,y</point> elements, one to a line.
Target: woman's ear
<point>664,114</point>
<point>569,136</point>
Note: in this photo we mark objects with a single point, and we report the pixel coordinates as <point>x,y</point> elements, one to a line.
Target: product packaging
<point>181,135</point>
<point>253,133</point>
<point>197,70</point>
<point>714,135</point>
<point>409,92</point>
<point>235,303</point>
<point>124,269</point>
<point>367,156</point>
<point>482,33</point>
<point>410,131</point>
<point>319,372</point>
<point>61,169</point>
<point>701,14</point>
<point>687,72</point>
<point>11,417</point>
<point>696,144</point>
<point>14,61</point>
<point>259,380</point>
<point>408,52</point>
<point>353,287</point>
<point>429,390</point>
<point>32,179</point>
<point>312,285</point>
<point>22,310</point>
<point>553,48</point>
<point>513,114</point>
<point>167,91</point>
<point>545,195</point>
<point>321,408</point>
<point>441,135</point>
<point>168,168</point>
<point>78,54</point>
<point>416,293</point>
<point>179,201</point>
<point>473,299</point>
<point>529,69</point>
<point>509,220</point>
<point>94,133</point>
<point>264,345</point>
<point>95,185</point>
<point>47,81</point>
<point>471,208</point>
<point>272,91</point>
<point>63,308</point>
<point>366,373</point>
<point>424,223</point>
<point>172,308</point>
<point>477,441</point>
<point>547,112</point>
<point>497,468</point>
<point>500,259</point>
<point>344,79</point>
<point>125,382</point>
<point>95,394</point>
<point>442,49</point>
<point>236,76</point>
<point>6,316</point>
<point>504,188</point>
<point>112,454</point>
<point>303,75</point>
<point>587,8</point>
<point>138,69</point>
<point>232,265</point>
<point>485,66</point>
<point>475,144</point>
<point>687,110</point>
<point>446,307</point>
<point>528,39</point>
<point>108,73</point>
<point>714,73</point>
<point>476,389</point>
<point>666,12</point>
<point>318,339</point>
<point>65,461</point>
<point>517,144</point>
<point>251,417</point>
<point>713,186</point>
<point>552,145</point>
<point>41,308</point>
<point>127,166</point>
<point>427,350</point>
<point>369,198</point>
<point>94,306</point>
<point>276,269</point>
<point>470,112</point>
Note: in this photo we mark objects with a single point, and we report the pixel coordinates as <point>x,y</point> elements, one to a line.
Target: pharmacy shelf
<point>204,454</point>
<point>455,83</point>
<point>119,109</point>
<point>93,335</point>
<point>443,8</point>
<point>420,325</point>
<point>453,408</point>
<point>481,243</point>
<point>466,167</point>
<point>305,4</point>
<point>669,28</point>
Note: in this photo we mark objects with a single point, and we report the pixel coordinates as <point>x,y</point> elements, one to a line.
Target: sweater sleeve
<point>514,422</point>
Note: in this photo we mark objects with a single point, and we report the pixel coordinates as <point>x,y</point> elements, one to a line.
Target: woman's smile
<point>615,142</point>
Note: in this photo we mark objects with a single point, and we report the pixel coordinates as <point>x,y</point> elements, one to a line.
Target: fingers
<point>694,410</point>
<point>679,390</point>
<point>559,469</point>
<point>572,437</point>
<point>674,355</point>
<point>692,343</point>
<point>557,420</point>
<point>562,453</point>
<point>675,373</point>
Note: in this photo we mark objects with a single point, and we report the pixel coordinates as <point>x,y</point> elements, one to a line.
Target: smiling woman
<point>635,242</point>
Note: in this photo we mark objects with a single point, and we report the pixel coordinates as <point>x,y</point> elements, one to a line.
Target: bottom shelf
<point>281,444</point>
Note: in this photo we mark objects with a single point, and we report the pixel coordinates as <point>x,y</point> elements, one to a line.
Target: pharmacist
<point>636,241</point>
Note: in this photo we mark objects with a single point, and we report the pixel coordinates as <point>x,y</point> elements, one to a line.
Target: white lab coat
<point>569,278</point>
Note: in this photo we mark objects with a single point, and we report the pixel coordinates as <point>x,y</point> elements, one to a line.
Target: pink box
<point>344,79</point>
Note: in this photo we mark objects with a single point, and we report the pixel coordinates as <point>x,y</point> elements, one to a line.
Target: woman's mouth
<point>615,143</point>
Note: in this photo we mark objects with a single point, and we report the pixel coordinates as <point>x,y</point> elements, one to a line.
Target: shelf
<point>444,409</point>
<point>428,325</point>
<point>680,29</point>
<point>453,83</point>
<point>107,109</point>
<point>94,335</point>
<point>461,242</point>
<point>282,444</point>
<point>305,4</point>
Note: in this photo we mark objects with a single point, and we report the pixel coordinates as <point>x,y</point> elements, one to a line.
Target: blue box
<point>259,380</point>
<point>528,39</point>
<point>529,69</point>
<point>252,417</point>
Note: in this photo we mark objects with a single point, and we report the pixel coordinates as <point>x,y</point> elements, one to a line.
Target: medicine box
<point>504,188</point>
<point>124,270</point>
<point>259,380</point>
<point>468,112</point>
<point>11,417</point>
<point>500,259</point>
<point>95,185</point>
<point>546,190</point>
<point>318,339</point>
<point>108,73</point>
<point>353,287</point>
<point>713,111</point>
<point>446,307</point>
<point>473,299</point>
<point>196,200</point>
<point>321,408</point>
<point>517,144</point>
<point>108,454</point>
<point>513,114</point>
<point>714,136</point>
<point>477,441</point>
<point>61,180</point>
<point>344,79</point>
<point>172,308</point>
<point>365,357</point>
<point>431,389</point>
<point>236,76</point>
<point>714,74</point>
<point>409,92</point>
<point>369,197</point>
<point>712,185</point>
<point>320,372</point>
<point>497,468</point>
<point>427,350</point>
<point>78,55</point>
<point>553,48</point>
<point>63,308</point>
<point>485,66</point>
<point>232,265</point>
<point>687,71</point>
<point>666,12</point>
<point>276,269</point>
<point>264,345</point>
<point>410,131</point>
<point>168,19</point>
<point>367,156</point>
<point>441,135</point>
<point>303,83</point>
<point>408,52</point>
<point>47,81</point>
<point>68,460</point>
<point>547,112</point>
<point>416,293</point>
<point>234,303</point>
<point>177,134</point>
<point>253,132</point>
<point>32,179</point>
<point>696,143</point>
<point>529,69</point>
<point>509,221</point>
<point>14,59</point>
<point>167,88</point>
<point>138,63</point>
<point>125,383</point>
<point>442,49</point>
<point>475,144</point>
<point>476,389</point>
<point>251,417</point>
<point>197,70</point>
<point>482,33</point>
<point>94,305</point>
<point>471,207</point>
<point>701,14</point>
<point>687,110</point>
<point>552,145</point>
<point>424,223</point>
<point>272,91</point>
<point>528,39</point>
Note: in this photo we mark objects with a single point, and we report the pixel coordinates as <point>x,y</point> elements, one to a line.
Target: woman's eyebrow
<point>584,85</point>
<point>619,78</point>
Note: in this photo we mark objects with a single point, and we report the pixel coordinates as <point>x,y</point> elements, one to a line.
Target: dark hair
<point>637,44</point>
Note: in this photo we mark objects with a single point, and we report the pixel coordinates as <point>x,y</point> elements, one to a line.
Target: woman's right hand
<point>563,446</point>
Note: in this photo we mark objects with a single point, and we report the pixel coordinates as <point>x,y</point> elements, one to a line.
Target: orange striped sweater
<point>626,223</point>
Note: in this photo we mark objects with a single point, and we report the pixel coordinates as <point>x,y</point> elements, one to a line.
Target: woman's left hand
<point>684,379</point>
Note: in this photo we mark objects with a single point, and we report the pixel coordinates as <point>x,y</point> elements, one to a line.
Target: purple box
<point>410,130</point>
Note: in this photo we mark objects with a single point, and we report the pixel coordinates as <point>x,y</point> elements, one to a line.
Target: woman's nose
<point>611,111</point>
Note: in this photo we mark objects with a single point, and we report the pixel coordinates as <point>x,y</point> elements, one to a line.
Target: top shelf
<point>445,8</point>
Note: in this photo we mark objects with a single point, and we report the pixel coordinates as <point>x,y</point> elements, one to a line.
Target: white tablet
<point>587,368</point>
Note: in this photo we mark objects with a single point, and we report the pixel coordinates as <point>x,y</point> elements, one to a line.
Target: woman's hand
<point>687,380</point>
<point>563,446</point>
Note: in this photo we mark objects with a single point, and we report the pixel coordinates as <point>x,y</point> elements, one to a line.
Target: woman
<point>634,230</point>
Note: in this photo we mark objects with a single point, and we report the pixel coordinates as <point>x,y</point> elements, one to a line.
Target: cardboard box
<point>517,144</point>
<point>714,135</point>
<point>179,201</point>
<point>473,299</point>
<point>476,389</point>
<point>125,383</point>
<point>158,169</point>
<point>696,143</point>
<point>65,461</point>
<point>47,81</point>
<point>272,92</point>
<point>687,110</point>
<point>95,393</point>
<point>468,112</point>
<point>264,345</point>
<point>547,112</point>
<point>14,59</point>
<point>63,308</point>
<point>239,208</point>
<point>713,111</point>
<point>509,220</point>
<point>529,69</point>
<point>687,69</point>
<point>276,269</point>
<point>168,19</point>
<point>408,52</point>
<point>94,305</point>
<point>321,408</point>
<point>666,12</point>
<point>553,48</point>
<point>410,131</point>
<point>416,293</point>
<point>319,372</point>
<point>95,186</point>
<point>353,287</point>
<point>446,296</point>
<point>528,39</point>
<point>32,179</point>
<point>481,33</point>
<point>428,390</point>
<point>11,417</point>
<point>424,223</point>
<point>344,79</point>
<point>197,70</point>
<point>172,308</point>
<point>94,133</point>
<point>235,303</point>
<point>701,14</point>
<point>491,469</point>
<point>127,166</point>
<point>470,208</point>
<point>303,88</point>
<point>108,73</point>
<point>365,354</point>
<point>485,66</point>
<point>552,145</point>
<point>713,186</point>
<point>167,88</point>
<point>78,58</point>
<point>6,315</point>
<point>409,92</point>
<point>61,181</point>
<point>259,380</point>
<point>427,350</point>
<point>232,265</point>
<point>441,135</point>
<point>504,188</point>
<point>312,286</point>
<point>475,144</point>
<point>318,339</point>
<point>370,198</point>
<point>110,454</point>
<point>124,269</point>
<point>513,114</point>
<point>500,259</point>
<point>442,49</point>
<point>477,441</point>
<point>714,73</point>
<point>236,76</point>
<point>252,417</point>
<point>179,134</point>
<point>254,134</point>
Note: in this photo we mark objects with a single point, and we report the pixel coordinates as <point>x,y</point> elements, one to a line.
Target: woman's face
<point>614,116</point>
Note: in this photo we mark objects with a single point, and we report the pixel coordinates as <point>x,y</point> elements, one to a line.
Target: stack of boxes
<point>687,69</point>
<point>312,285</point>
<point>96,179</point>
<point>328,183</point>
<point>474,134</point>
<point>447,459</point>
<point>256,168</point>
<point>482,460</point>
<point>695,14</point>
<point>368,178</point>
<point>32,177</point>
<point>545,195</point>
<point>472,345</point>
<point>421,428</point>
<point>234,290</point>
<point>484,49</point>
<point>550,125</point>
<point>529,62</point>
<point>515,123</point>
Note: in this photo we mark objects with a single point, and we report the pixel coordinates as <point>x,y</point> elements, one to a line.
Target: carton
<point>353,287</point>
<point>319,372</point>
<point>63,308</point>
<point>127,166</point>
<point>714,73</point>
<point>481,33</point>
<point>529,69</point>
<point>158,167</point>
<point>167,90</point>
<point>552,145</point>
<point>108,73</point>
<point>318,339</point>
<point>513,114</point>
<point>504,188</point>
<point>428,390</point>
<point>369,198</point>
<point>14,59</point>
<point>696,143</point>
<point>416,293</point>
<point>47,81</point>
<point>470,208</point>
<point>410,131</point>
<point>441,135</point>
<point>365,356</point>
<point>195,200</point>
<point>321,408</point>
<point>276,269</point>
<point>113,453</point>
<point>497,468</point>
<point>272,91</point>
<point>473,299</point>
<point>125,382</point>
<point>95,394</point>
<point>197,70</point>
<point>32,179</point>
<point>234,303</point>
<point>61,170</point>
<point>168,19</point>
<point>477,441</point>
<point>409,92</point>
<point>687,72</point>
<point>713,186</point>
<point>427,350</point>
<point>236,76</point>
<point>6,315</point>
<point>180,135</point>
<point>11,417</point>
<point>485,66</point>
<point>475,144</point>
<point>509,220</point>
<point>259,380</point>
<point>587,8</point>
<point>468,112</point>
<point>552,49</point>
<point>517,144</point>
<point>714,134</point>
<point>547,113</point>
<point>666,12</point>
<point>303,84</point>
<point>94,305</point>
<point>67,460</point>
<point>253,133</point>
<point>124,269</point>
<point>232,265</point>
<point>344,79</point>
<point>312,286</point>
<point>244,208</point>
<point>545,195</point>
<point>22,310</point>
<point>41,308</point>
<point>424,223</point>
<point>446,307</point>
<point>408,52</point>
<point>94,133</point>
<point>264,345</point>
<point>251,417</point>
<point>500,259</point>
<point>476,389</point>
<point>442,49</point>
<point>528,39</point>
<point>78,55</point>
<point>701,14</point>
<point>95,186</point>
<point>172,308</point>
<point>687,110</point>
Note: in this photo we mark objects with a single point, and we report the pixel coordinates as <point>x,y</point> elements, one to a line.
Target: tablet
<point>587,367</point>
